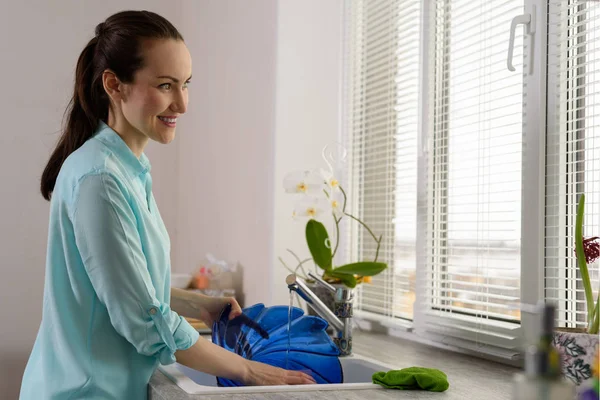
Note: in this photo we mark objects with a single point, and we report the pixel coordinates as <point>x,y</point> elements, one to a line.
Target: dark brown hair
<point>116,46</point>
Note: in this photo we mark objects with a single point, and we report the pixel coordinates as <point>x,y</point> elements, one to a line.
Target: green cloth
<point>413,378</point>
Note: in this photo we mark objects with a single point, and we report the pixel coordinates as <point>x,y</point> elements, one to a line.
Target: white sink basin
<point>357,375</point>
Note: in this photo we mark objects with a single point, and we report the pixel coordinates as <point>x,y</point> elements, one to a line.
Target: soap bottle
<point>542,379</point>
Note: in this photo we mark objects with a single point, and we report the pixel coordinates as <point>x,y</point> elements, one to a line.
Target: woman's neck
<point>134,139</point>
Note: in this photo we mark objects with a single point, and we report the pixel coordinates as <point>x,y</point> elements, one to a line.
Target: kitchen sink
<point>357,375</point>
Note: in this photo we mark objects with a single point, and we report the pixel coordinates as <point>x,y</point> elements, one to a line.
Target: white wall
<point>263,102</point>
<point>226,153</point>
<point>309,55</point>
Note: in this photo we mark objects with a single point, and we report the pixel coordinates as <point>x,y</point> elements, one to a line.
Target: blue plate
<point>261,334</point>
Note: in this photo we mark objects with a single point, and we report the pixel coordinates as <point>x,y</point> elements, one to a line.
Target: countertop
<point>469,377</point>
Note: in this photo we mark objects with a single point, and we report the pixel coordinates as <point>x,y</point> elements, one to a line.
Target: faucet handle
<point>322,282</point>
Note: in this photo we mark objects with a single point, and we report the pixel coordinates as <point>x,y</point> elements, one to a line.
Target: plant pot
<point>577,350</point>
<point>325,295</point>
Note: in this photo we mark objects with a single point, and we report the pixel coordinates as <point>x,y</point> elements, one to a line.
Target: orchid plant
<point>587,251</point>
<point>320,195</point>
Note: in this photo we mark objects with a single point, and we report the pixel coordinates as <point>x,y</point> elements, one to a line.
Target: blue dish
<point>265,340</point>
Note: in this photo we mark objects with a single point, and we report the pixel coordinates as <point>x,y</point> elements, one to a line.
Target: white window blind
<point>491,163</point>
<point>573,151</point>
<point>383,67</point>
<point>472,248</point>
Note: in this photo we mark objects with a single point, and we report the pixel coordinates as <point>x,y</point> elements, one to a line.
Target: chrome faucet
<point>340,318</point>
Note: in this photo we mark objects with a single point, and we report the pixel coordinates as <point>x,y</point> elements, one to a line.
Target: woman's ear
<point>112,86</point>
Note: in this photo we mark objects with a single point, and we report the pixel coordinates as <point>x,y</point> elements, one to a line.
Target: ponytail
<point>87,107</point>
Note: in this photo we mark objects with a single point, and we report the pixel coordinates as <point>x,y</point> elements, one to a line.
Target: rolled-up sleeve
<point>107,237</point>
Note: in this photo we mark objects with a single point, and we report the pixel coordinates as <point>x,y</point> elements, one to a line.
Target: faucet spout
<point>296,284</point>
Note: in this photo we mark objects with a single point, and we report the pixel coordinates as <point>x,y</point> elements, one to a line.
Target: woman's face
<point>158,94</point>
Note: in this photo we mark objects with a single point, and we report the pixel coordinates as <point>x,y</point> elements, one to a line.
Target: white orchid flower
<point>312,207</point>
<point>306,182</point>
<point>336,202</point>
<point>330,180</point>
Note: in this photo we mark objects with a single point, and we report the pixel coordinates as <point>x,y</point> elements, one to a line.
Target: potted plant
<point>320,196</point>
<point>577,346</point>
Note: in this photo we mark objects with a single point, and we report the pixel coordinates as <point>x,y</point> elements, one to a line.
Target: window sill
<point>403,329</point>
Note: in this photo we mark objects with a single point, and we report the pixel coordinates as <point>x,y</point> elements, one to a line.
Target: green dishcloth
<point>413,378</point>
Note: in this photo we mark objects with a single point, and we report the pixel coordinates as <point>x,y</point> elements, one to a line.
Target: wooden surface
<point>469,377</point>
<point>198,325</point>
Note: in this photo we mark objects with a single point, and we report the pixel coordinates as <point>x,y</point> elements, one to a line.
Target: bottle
<point>542,378</point>
<point>201,279</point>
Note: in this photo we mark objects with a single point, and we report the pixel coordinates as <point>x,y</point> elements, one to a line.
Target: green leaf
<point>348,280</point>
<point>363,268</point>
<point>318,244</point>
<point>585,276</point>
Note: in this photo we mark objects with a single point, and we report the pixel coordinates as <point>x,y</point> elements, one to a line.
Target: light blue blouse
<point>106,320</point>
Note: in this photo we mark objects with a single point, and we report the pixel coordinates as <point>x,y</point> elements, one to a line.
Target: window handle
<point>529,21</point>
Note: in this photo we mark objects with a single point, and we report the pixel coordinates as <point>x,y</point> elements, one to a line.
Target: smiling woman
<point>108,319</point>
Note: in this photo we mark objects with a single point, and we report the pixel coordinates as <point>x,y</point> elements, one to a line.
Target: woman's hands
<point>215,360</point>
<point>209,358</point>
<point>206,308</point>
<point>259,374</point>
<point>210,308</point>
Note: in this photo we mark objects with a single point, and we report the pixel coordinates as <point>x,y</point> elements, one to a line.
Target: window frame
<point>539,104</point>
